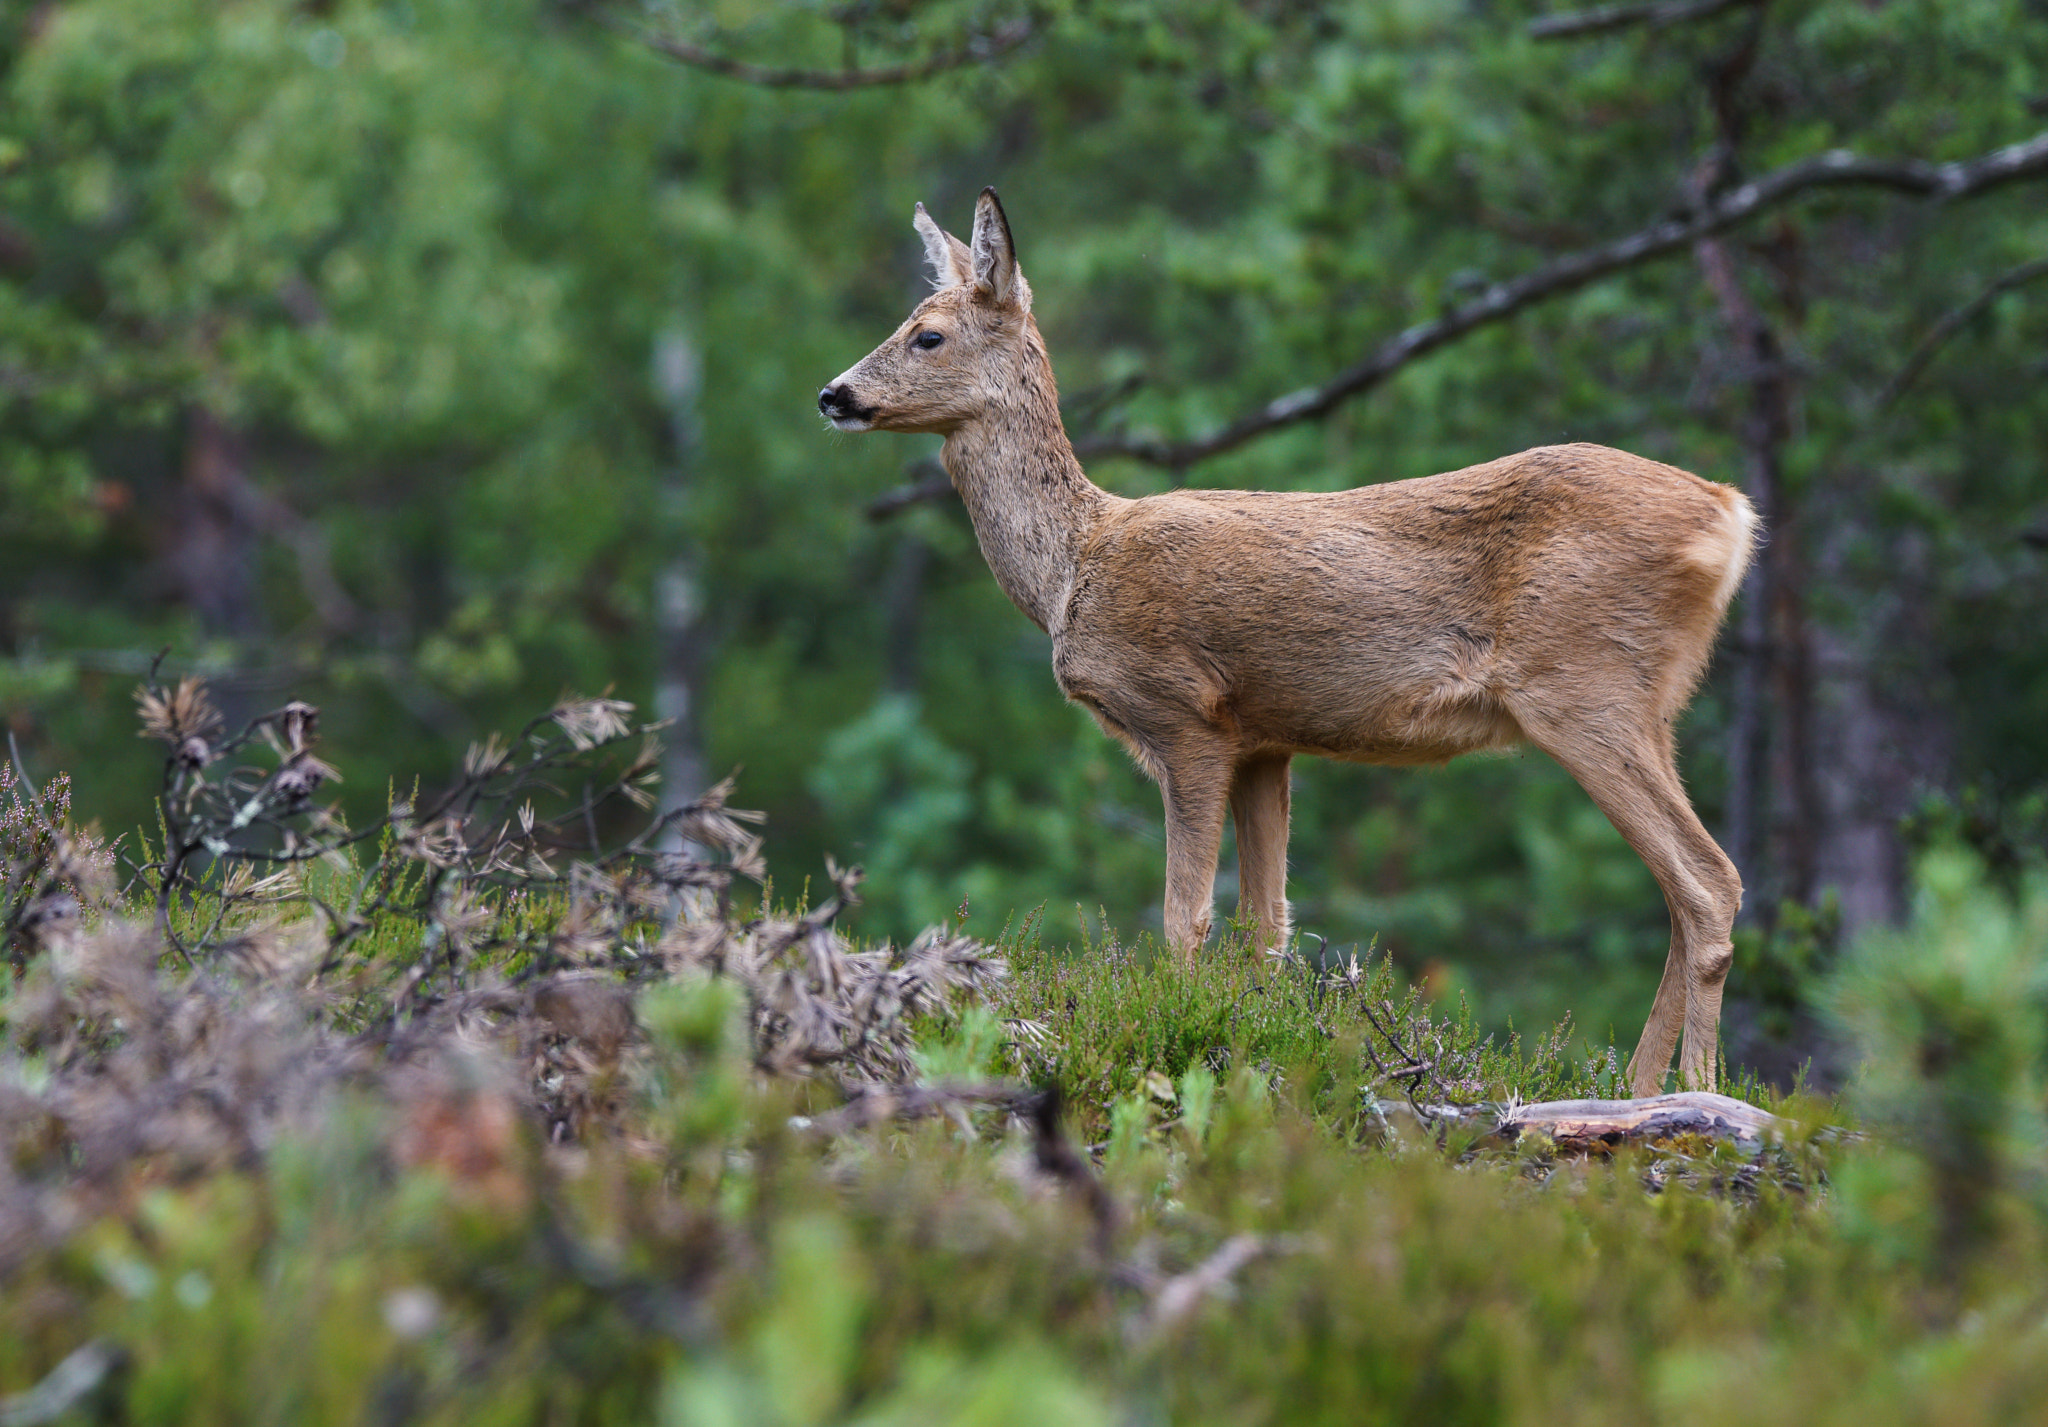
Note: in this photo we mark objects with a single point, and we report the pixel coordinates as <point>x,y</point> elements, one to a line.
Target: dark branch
<point>1939,335</point>
<point>1057,1156</point>
<point>1620,17</point>
<point>932,483</point>
<point>1836,169</point>
<point>978,48</point>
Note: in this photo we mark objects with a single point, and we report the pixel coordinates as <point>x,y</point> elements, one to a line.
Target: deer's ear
<point>996,275</point>
<point>950,261</point>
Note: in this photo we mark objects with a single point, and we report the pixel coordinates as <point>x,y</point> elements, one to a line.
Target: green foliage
<point>1780,968</point>
<point>1119,1028</point>
<point>887,780</point>
<point>2009,834</point>
<point>1950,1017</point>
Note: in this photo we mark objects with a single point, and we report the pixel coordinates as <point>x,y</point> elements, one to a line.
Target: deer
<point>1566,598</point>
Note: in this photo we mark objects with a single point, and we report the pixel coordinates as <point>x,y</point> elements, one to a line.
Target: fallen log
<point>1597,1126</point>
<point>1572,1126</point>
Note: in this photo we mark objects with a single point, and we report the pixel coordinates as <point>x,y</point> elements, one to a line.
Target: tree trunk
<point>212,556</point>
<point>903,608</point>
<point>678,594</point>
<point>1770,815</point>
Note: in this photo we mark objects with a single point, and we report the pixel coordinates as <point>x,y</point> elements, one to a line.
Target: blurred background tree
<point>422,359</point>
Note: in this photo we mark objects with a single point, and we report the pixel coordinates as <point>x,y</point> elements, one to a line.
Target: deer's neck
<point>1032,506</point>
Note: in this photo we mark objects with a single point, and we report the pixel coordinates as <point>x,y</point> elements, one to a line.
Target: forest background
<point>425,359</point>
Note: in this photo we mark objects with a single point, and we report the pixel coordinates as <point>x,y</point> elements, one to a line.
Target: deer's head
<point>959,352</point>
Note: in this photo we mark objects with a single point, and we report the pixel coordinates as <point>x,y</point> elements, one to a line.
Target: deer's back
<point>1392,623</point>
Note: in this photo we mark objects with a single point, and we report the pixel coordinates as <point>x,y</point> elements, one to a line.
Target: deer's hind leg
<point>1626,765</point>
<point>1259,802</point>
<point>1652,1055</point>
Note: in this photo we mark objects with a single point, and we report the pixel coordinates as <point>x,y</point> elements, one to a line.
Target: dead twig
<point>1175,1299</point>
<point>1420,1056</point>
<point>1939,335</point>
<point>72,1384</point>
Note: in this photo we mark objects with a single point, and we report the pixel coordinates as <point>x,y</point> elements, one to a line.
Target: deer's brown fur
<point>1567,597</point>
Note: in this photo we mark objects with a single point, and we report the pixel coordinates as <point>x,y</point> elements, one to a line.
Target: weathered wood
<point>1596,1126</point>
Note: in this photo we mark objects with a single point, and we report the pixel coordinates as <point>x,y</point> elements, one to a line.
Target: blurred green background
<point>426,359</point>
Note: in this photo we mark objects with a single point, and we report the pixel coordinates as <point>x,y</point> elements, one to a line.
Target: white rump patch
<point>1726,549</point>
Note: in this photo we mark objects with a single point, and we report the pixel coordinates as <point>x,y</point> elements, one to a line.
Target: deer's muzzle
<point>839,406</point>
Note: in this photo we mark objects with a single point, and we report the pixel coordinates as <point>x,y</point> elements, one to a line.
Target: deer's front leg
<point>1195,791</point>
<point>1258,797</point>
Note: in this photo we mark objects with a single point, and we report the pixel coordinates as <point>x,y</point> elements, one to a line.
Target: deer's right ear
<point>995,257</point>
<point>950,261</point>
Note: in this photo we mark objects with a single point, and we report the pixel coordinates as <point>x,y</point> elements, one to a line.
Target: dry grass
<point>472,961</point>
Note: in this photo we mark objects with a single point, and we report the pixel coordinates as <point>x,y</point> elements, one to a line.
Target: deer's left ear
<point>996,275</point>
<point>950,261</point>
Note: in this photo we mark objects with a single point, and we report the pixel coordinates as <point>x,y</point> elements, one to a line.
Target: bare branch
<point>1176,1300</point>
<point>977,48</point>
<point>932,483</point>
<point>1938,335</point>
<point>1620,17</point>
<point>1837,168</point>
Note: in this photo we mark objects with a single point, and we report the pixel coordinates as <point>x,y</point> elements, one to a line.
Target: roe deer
<point>1567,596</point>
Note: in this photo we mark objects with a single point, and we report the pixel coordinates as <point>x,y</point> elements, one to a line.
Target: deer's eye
<point>926,341</point>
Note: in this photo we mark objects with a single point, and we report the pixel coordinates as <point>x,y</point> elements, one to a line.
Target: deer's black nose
<point>841,407</point>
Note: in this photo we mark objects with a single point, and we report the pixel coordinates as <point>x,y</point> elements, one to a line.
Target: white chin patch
<point>851,423</point>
